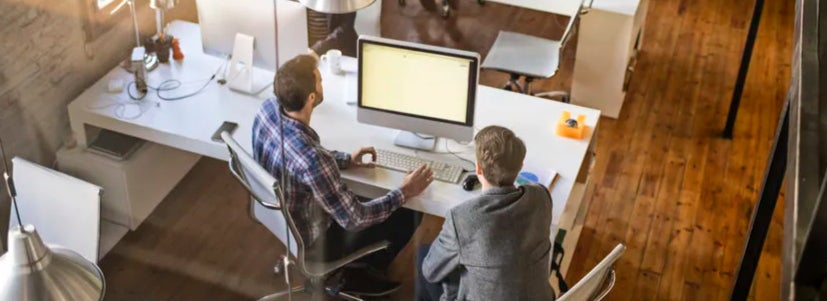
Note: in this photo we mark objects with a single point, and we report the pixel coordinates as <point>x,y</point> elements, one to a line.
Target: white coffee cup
<point>333,60</point>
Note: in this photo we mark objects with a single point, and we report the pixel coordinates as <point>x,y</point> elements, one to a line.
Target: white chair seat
<point>523,54</point>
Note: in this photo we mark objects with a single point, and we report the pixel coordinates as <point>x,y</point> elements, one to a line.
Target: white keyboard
<point>405,163</point>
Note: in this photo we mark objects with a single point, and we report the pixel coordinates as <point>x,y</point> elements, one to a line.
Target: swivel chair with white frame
<point>267,207</point>
<point>530,57</point>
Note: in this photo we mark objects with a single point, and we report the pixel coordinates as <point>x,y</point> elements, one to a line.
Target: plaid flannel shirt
<point>314,190</point>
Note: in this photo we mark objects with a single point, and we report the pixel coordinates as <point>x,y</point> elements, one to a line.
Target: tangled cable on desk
<point>173,84</point>
<point>121,106</point>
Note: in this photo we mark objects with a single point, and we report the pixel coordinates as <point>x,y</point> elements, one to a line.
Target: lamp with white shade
<point>336,6</point>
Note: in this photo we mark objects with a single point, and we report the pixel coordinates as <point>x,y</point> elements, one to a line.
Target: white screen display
<point>415,82</point>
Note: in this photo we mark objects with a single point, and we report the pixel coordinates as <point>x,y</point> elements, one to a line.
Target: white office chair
<point>529,57</point>
<point>598,282</point>
<point>267,208</point>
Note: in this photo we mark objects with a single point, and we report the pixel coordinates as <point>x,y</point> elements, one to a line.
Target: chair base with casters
<point>267,208</point>
<point>316,273</point>
<point>514,85</point>
<point>312,286</point>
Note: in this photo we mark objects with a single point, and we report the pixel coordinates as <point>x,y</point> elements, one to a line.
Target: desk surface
<point>189,123</point>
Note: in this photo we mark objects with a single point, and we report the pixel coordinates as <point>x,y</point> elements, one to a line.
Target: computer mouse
<point>470,182</point>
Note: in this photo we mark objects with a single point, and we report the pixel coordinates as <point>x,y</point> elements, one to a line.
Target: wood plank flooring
<point>664,184</point>
<point>684,213</point>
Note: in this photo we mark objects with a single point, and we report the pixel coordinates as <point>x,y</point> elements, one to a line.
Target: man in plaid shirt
<point>314,191</point>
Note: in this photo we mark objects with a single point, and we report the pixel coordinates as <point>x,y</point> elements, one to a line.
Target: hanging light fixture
<point>336,6</point>
<point>33,271</point>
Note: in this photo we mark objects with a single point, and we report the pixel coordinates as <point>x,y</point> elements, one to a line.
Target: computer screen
<point>271,23</point>
<point>417,82</point>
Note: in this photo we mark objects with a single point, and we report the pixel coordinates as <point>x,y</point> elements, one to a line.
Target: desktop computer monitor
<point>419,89</point>
<point>278,26</point>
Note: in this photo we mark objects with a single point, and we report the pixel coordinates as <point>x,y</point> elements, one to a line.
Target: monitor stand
<point>239,72</point>
<point>415,141</point>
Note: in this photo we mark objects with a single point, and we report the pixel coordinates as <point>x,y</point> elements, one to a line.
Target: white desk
<point>188,124</point>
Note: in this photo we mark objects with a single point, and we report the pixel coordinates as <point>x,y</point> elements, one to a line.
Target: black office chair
<point>267,207</point>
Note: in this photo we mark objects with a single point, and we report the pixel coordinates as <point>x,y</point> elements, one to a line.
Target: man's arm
<point>322,176</point>
<point>443,258</point>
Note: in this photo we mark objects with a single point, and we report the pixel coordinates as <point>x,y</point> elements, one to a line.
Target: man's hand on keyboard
<point>356,157</point>
<point>416,182</point>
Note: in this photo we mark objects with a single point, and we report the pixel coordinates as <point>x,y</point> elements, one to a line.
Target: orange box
<point>566,130</point>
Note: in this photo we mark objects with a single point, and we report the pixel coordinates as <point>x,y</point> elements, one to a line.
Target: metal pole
<point>762,214</point>
<point>132,10</point>
<point>743,69</point>
<point>810,269</point>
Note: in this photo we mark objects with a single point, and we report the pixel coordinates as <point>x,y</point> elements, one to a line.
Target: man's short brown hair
<point>500,154</point>
<point>294,81</point>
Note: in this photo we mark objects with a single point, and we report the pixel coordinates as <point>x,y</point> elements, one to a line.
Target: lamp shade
<point>33,271</point>
<point>336,6</point>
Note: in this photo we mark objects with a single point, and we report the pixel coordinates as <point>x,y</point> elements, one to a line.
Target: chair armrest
<point>609,285</point>
<point>319,269</point>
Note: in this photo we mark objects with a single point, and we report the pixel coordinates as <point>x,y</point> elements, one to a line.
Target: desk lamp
<point>34,271</point>
<point>140,62</point>
<point>336,6</point>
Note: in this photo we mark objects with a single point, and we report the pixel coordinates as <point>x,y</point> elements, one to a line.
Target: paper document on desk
<point>544,177</point>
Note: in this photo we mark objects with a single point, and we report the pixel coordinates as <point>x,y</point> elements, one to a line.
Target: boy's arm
<point>443,257</point>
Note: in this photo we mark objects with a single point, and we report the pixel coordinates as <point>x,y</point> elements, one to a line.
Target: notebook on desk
<point>543,177</point>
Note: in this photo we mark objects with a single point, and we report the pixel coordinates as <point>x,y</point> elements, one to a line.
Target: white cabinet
<point>609,36</point>
<point>131,188</point>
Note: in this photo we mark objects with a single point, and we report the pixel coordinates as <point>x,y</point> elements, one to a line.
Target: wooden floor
<point>665,184</point>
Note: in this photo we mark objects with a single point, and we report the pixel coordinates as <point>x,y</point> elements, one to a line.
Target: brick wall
<point>44,64</point>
